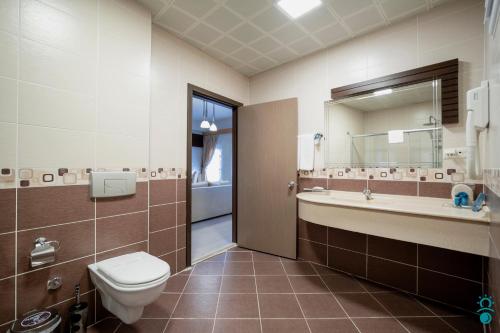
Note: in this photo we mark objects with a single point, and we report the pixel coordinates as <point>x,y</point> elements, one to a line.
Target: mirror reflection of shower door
<point>267,163</point>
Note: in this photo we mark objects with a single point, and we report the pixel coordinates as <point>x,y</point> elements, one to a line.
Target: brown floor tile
<point>299,268</point>
<point>468,324</point>
<point>162,307</point>
<point>372,286</point>
<point>269,268</point>
<point>238,268</point>
<point>273,284</point>
<point>237,326</point>
<point>238,306</point>
<point>239,256</point>
<point>203,284</point>
<point>208,268</point>
<point>144,326</point>
<point>379,325</point>
<point>196,306</point>
<point>284,326</point>
<point>441,309</point>
<point>106,326</point>
<point>176,283</point>
<point>401,305</point>
<point>308,284</point>
<point>331,326</point>
<point>361,305</point>
<point>219,257</point>
<point>320,306</point>
<point>342,283</point>
<point>238,249</point>
<point>279,306</point>
<point>238,284</point>
<point>189,325</point>
<point>427,325</point>
<point>259,256</point>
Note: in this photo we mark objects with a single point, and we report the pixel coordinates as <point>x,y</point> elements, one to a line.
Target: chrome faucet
<point>368,193</point>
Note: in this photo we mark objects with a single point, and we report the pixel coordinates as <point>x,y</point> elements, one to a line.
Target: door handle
<point>291,185</point>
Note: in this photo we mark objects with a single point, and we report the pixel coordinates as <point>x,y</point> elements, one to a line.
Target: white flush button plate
<point>108,184</point>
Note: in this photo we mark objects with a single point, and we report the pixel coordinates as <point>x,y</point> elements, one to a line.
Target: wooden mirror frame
<point>447,71</point>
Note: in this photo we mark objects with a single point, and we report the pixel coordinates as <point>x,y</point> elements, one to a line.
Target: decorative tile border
<point>167,173</point>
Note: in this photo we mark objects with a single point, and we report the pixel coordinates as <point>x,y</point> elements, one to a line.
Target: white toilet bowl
<point>128,283</point>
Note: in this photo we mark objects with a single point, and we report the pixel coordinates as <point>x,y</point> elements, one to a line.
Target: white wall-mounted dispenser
<point>108,184</point>
<point>477,121</point>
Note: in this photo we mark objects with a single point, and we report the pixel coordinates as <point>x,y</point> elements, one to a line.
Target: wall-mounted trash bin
<point>38,321</point>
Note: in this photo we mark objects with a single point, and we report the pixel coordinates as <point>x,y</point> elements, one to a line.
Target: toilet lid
<point>134,268</point>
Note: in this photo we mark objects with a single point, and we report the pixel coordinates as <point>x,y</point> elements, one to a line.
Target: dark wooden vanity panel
<point>447,71</point>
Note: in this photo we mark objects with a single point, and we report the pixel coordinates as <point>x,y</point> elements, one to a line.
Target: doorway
<point>211,173</point>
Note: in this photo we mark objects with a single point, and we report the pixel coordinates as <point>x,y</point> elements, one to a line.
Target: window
<point>214,167</point>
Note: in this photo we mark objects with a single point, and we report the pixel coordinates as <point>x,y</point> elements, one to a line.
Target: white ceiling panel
<point>255,35</point>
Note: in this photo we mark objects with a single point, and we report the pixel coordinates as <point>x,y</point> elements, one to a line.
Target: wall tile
<point>393,274</point>
<point>392,249</point>
<point>117,151</point>
<point>32,287</point>
<point>181,259</point>
<point>113,232</point>
<point>143,246</point>
<point>8,55</point>
<point>7,289</point>
<point>8,145</point>
<point>352,185</point>
<point>311,182</point>
<point>8,100</point>
<point>312,231</point>
<point>181,213</point>
<point>347,261</point>
<point>435,190</point>
<point>7,252</point>
<point>345,239</point>
<point>122,205</point>
<point>181,189</point>
<point>63,308</point>
<point>44,206</point>
<point>181,237</point>
<point>443,260</point>
<point>76,240</point>
<point>162,217</point>
<point>162,191</point>
<point>430,284</point>
<point>8,209</point>
<point>171,260</point>
<point>162,242</point>
<point>393,187</point>
<point>313,252</point>
<point>9,16</point>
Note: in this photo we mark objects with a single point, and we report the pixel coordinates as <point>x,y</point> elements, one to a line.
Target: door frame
<point>192,91</point>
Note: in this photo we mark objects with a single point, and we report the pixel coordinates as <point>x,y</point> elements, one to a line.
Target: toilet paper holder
<point>44,252</point>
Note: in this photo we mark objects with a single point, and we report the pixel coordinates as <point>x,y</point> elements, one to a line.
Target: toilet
<point>129,282</point>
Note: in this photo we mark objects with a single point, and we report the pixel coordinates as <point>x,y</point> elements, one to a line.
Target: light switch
<point>112,184</point>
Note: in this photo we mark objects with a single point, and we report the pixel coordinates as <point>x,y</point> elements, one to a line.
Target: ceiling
<point>408,95</point>
<point>254,35</point>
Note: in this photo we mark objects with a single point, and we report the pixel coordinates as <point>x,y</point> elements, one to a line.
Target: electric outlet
<point>455,153</point>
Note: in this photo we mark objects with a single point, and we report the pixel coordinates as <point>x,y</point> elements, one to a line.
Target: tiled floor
<point>247,292</point>
<point>211,236</point>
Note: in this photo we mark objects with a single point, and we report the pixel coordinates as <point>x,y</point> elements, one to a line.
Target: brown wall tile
<point>171,260</point>
<point>461,264</point>
<point>112,232</point>
<point>345,239</point>
<point>181,189</point>
<point>32,287</point>
<point>7,253</point>
<point>43,206</point>
<point>435,190</point>
<point>347,261</point>
<point>311,182</point>
<point>76,241</point>
<point>162,242</point>
<point>181,259</point>
<point>449,289</point>
<point>162,217</point>
<point>8,209</point>
<point>393,187</point>
<point>143,246</point>
<point>393,274</point>
<point>181,213</point>
<point>313,252</point>
<point>181,237</point>
<point>393,249</point>
<point>123,205</point>
<point>352,185</point>
<point>7,294</point>
<point>162,191</point>
<point>312,231</point>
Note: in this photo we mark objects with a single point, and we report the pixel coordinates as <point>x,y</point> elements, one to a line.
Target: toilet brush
<point>78,314</point>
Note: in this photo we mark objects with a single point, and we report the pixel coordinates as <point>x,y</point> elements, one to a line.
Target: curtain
<point>209,143</point>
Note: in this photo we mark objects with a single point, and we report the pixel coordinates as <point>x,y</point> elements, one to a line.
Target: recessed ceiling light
<point>296,8</point>
<point>382,92</point>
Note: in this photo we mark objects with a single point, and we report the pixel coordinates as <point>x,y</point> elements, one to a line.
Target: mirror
<point>394,127</point>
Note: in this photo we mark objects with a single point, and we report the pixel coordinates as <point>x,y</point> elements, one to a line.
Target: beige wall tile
<point>8,100</point>
<point>8,138</point>
<point>8,55</point>
<point>119,151</point>
<point>9,16</point>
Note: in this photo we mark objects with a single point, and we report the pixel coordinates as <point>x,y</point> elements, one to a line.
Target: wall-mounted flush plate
<point>106,184</point>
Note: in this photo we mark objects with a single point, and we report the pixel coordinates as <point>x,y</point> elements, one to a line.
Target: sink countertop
<point>398,204</point>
